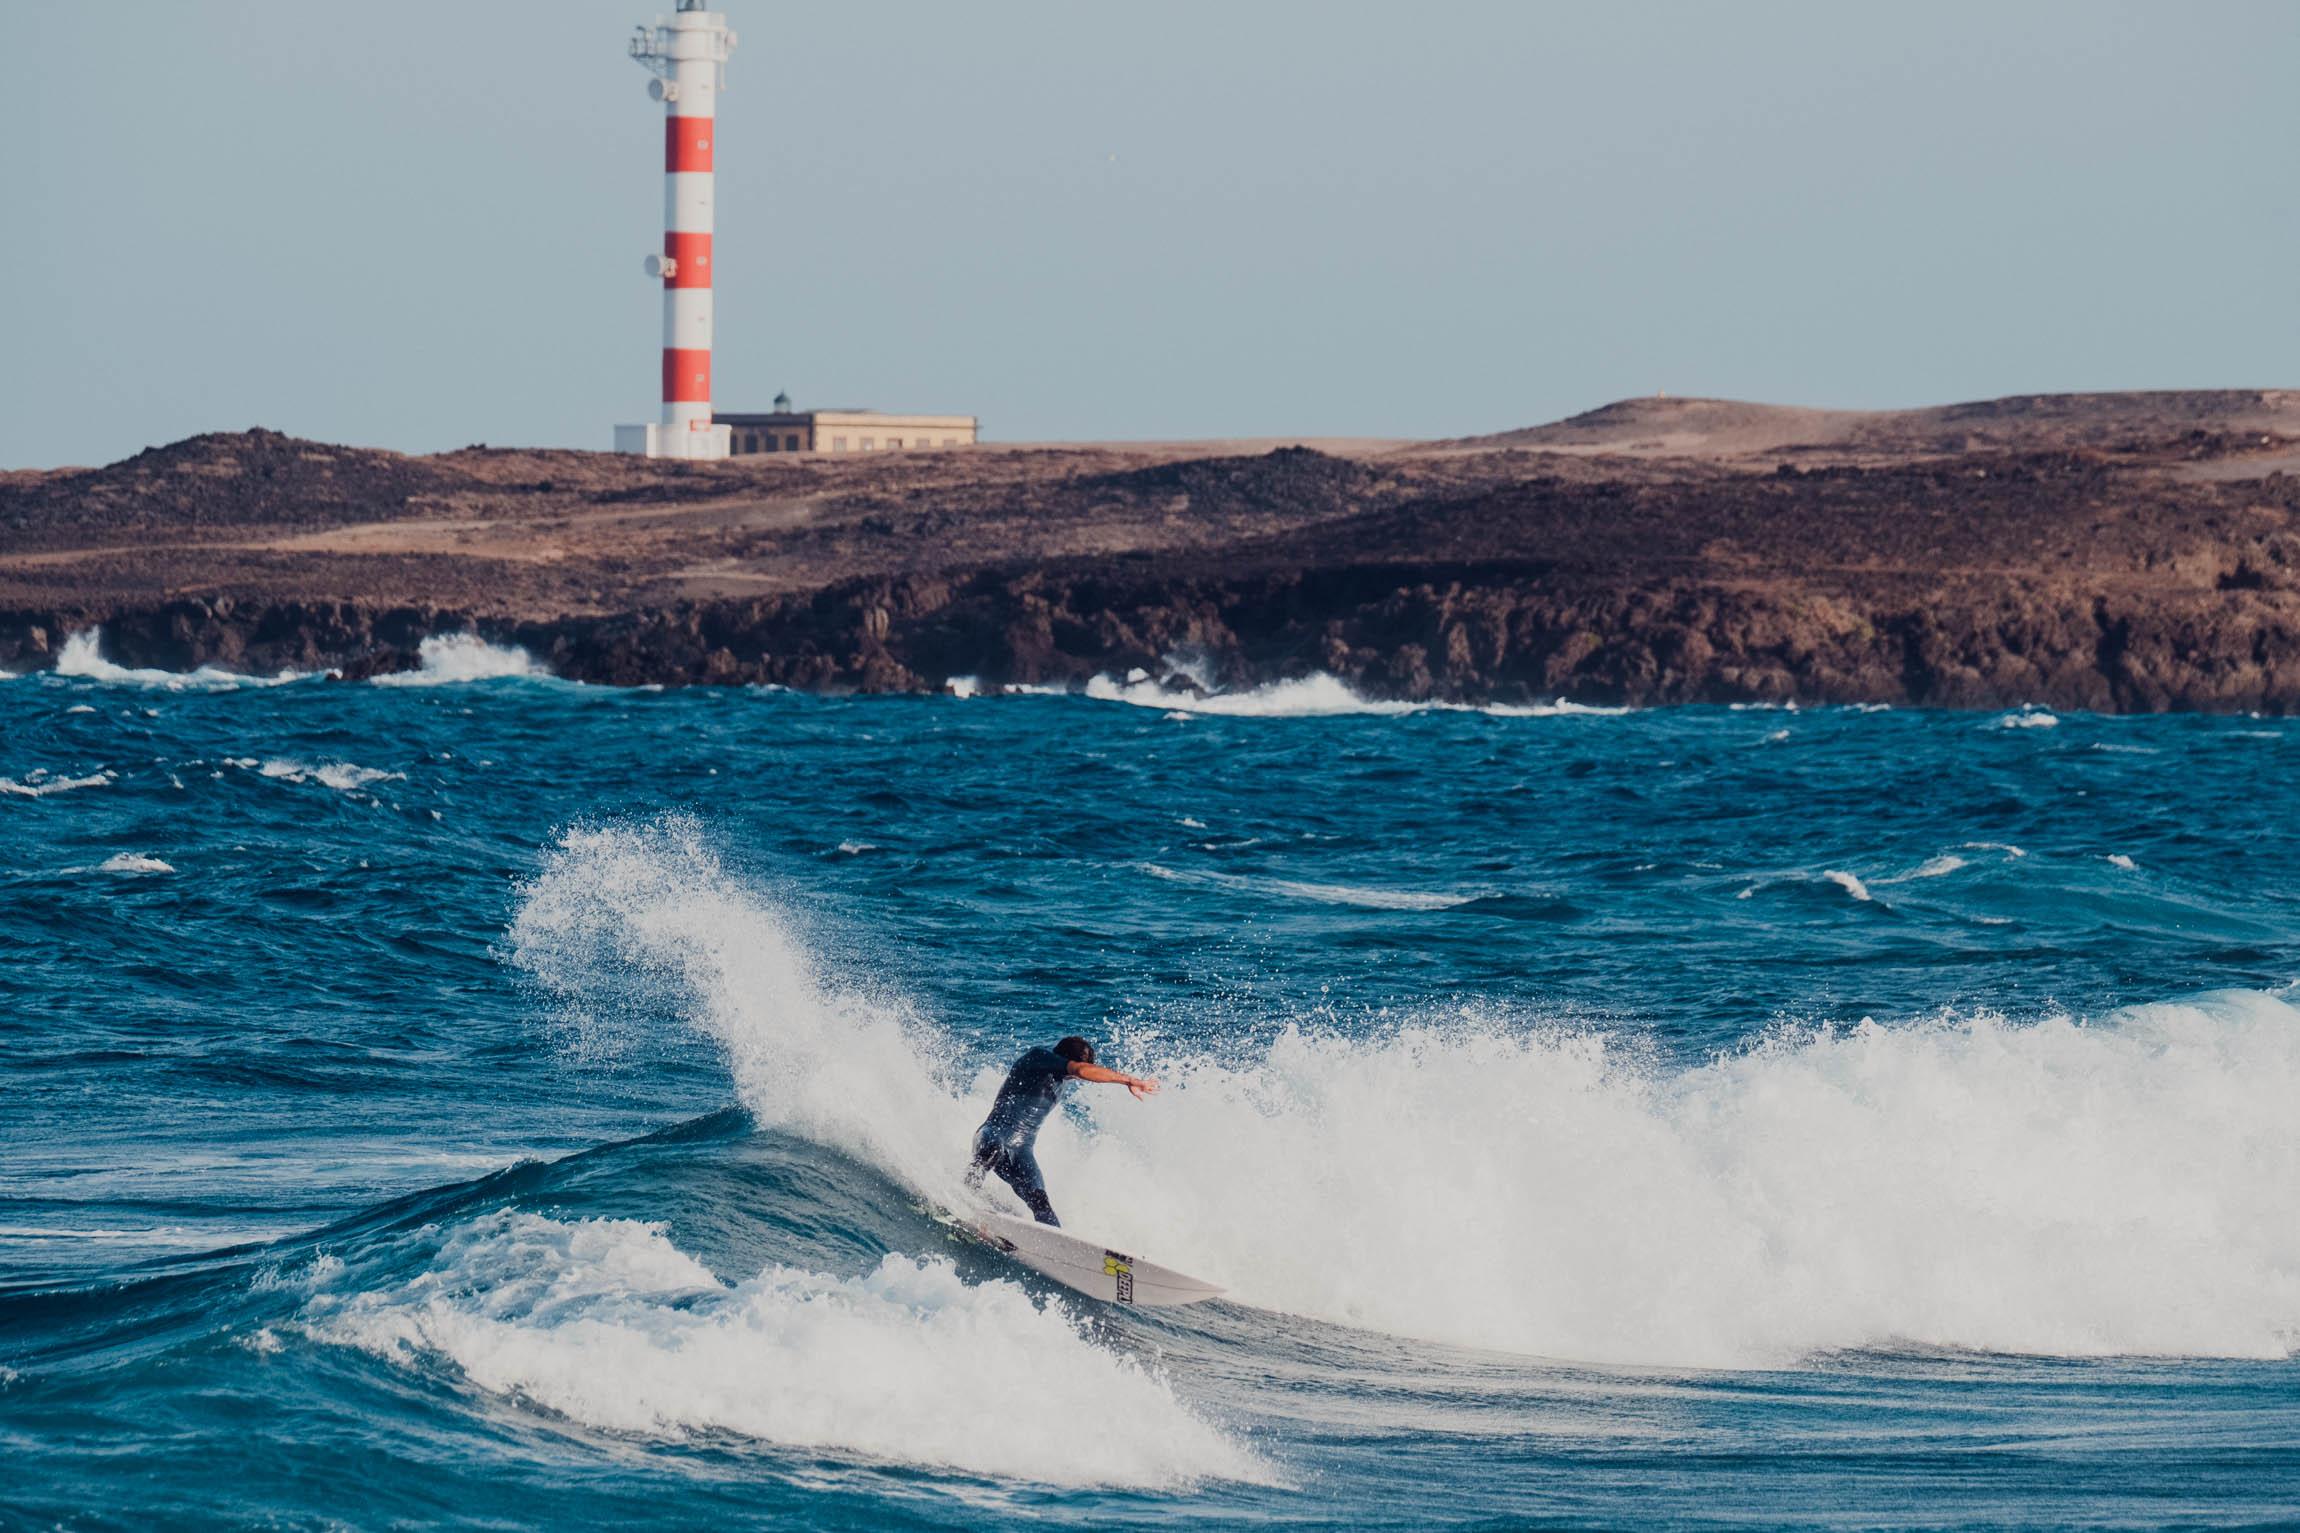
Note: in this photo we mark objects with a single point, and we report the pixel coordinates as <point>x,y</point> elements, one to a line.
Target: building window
<point>894,441</point>
<point>869,443</point>
<point>838,444</point>
<point>950,441</point>
<point>790,444</point>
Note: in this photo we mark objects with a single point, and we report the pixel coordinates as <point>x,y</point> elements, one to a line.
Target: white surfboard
<point>1096,1271</point>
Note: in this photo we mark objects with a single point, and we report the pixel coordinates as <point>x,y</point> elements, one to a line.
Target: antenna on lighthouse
<point>687,54</point>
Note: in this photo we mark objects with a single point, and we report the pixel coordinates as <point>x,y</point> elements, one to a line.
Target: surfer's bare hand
<point>1140,1087</point>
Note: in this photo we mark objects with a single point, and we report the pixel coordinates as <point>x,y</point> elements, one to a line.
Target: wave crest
<point>609,1323</point>
<point>448,659</point>
<point>82,658</point>
<point>2045,1187</point>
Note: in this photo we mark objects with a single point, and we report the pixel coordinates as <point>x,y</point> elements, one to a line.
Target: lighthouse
<point>687,54</point>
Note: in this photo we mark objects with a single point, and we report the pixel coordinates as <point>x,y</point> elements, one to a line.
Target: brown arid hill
<point>2110,551</point>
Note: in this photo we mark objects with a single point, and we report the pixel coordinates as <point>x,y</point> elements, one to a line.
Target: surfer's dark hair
<point>1077,1050</point>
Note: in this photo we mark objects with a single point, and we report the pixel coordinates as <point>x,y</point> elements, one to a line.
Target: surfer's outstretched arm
<point>1104,1077</point>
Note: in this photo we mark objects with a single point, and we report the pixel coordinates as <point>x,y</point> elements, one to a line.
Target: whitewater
<point>476,1099</point>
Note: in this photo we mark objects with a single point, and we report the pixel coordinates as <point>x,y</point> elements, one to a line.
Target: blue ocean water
<point>505,1103</point>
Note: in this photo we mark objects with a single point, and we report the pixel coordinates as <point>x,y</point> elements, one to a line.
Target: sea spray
<point>2040,1187</point>
<point>82,659</point>
<point>448,659</point>
<point>645,914</point>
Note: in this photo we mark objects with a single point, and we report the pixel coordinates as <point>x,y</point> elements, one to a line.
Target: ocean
<point>486,1101</point>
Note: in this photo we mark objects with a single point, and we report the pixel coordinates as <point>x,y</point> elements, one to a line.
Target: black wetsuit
<point>1003,1142</point>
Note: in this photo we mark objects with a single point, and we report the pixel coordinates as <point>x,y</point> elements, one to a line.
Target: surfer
<point>1032,1087</point>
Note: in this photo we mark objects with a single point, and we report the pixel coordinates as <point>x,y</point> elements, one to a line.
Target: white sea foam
<point>133,862</point>
<point>608,1323</point>
<point>451,658</point>
<point>963,686</point>
<point>339,775</point>
<point>83,658</point>
<point>2029,718</point>
<point>41,784</point>
<point>2119,860</point>
<point>1323,894</point>
<point>2005,847</point>
<point>1560,709</point>
<point>1932,867</point>
<point>2044,1187</point>
<point>1847,882</point>
<point>1311,697</point>
<point>1317,696</point>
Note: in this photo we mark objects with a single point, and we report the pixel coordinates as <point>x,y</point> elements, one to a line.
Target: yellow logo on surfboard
<point>1121,1267</point>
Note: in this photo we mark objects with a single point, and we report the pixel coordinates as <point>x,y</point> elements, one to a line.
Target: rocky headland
<point>2127,552</point>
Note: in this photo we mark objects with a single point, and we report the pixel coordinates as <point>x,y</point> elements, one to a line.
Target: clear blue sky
<point>418,224</point>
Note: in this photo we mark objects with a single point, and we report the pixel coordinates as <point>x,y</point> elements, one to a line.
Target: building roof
<point>836,418</point>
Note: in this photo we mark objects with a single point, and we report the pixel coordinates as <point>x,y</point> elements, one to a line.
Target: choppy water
<point>503,1102</point>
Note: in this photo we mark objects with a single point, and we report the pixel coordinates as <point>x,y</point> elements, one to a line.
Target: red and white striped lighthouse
<point>688,54</point>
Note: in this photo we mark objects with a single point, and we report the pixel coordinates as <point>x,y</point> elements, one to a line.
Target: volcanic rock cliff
<point>2121,551</point>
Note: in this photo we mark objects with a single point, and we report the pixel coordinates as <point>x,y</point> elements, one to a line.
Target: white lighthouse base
<point>697,440</point>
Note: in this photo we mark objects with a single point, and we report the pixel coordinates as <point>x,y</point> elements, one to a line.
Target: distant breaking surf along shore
<point>2112,552</point>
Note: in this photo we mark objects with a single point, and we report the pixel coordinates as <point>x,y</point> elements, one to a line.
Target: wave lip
<point>82,658</point>
<point>449,659</point>
<point>610,1324</point>
<point>1848,882</point>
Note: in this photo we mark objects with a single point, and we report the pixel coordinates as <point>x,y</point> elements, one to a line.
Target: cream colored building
<point>784,429</point>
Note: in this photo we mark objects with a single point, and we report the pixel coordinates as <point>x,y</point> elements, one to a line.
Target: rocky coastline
<point>2122,553</point>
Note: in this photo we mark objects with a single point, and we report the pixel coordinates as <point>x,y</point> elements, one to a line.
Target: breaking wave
<point>610,1324</point>
<point>83,658</point>
<point>451,658</point>
<point>133,862</point>
<point>2050,1186</point>
<point>342,776</point>
<point>41,784</point>
<point>1318,696</point>
<point>1848,882</point>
